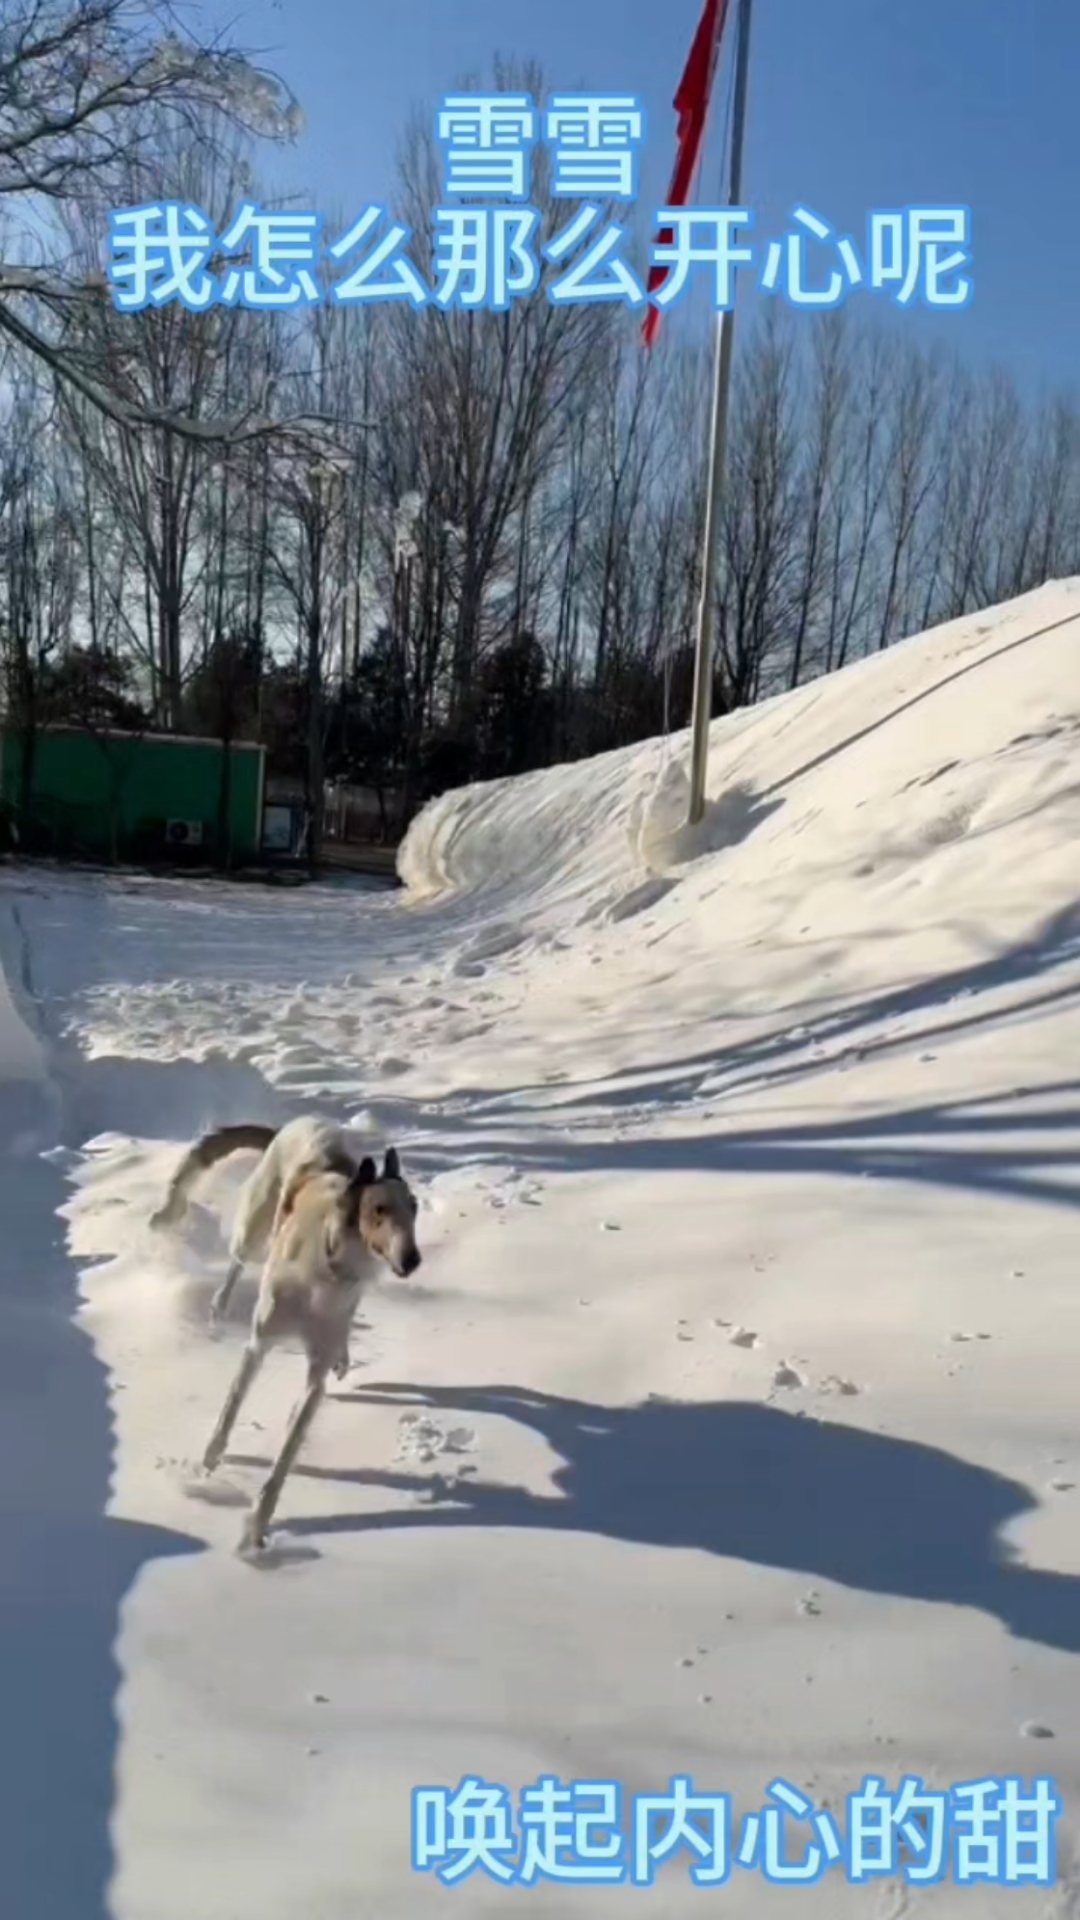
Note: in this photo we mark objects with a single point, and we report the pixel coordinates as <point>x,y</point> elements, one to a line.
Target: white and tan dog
<point>322,1226</point>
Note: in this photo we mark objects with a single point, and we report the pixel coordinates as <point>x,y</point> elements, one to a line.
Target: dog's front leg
<point>263,1511</point>
<point>254,1355</point>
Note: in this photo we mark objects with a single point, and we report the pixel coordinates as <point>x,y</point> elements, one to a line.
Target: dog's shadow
<point>748,1482</point>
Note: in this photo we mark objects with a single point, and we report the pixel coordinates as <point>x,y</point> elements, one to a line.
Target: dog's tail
<point>214,1146</point>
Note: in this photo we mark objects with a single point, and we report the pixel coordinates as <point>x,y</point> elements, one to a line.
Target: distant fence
<point>147,798</point>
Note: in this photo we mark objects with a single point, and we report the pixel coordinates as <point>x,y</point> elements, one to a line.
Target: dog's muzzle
<point>407,1264</point>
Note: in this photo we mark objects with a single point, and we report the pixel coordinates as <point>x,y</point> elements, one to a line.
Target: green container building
<point>143,798</point>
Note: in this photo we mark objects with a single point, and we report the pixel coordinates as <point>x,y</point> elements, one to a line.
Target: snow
<point>730,1426</point>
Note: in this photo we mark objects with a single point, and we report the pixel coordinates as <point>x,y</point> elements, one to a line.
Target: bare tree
<point>856,521</point>
<point>87,90</point>
<point>38,572</point>
<point>910,471</point>
<point>487,396</point>
<point>758,563</point>
<point>825,402</point>
<point>987,443</point>
<point>175,361</point>
<point>310,552</point>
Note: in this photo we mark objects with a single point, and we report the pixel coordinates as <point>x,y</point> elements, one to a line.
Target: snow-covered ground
<point>747,1332</point>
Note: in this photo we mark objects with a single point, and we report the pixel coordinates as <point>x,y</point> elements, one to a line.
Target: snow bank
<point>861,760</point>
<point>22,1061</point>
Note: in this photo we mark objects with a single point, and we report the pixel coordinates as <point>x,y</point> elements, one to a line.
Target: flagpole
<point>725,337</point>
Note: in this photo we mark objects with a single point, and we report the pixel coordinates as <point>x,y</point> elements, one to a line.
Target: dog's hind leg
<point>251,1233</point>
<point>254,1355</point>
<point>341,1365</point>
<point>263,1511</point>
<point>255,1215</point>
<point>220,1301</point>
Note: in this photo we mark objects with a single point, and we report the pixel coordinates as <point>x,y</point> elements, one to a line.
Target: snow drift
<point>901,753</point>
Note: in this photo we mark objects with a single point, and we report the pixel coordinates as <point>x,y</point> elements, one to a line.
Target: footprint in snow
<point>422,1439</point>
<point>786,1376</point>
<point>213,1491</point>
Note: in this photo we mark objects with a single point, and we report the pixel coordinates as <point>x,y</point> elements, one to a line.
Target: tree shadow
<point>747,1482</point>
<point>786,1055</point>
<point>982,1146</point>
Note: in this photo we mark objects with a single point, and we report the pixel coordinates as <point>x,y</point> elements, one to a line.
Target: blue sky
<point>854,104</point>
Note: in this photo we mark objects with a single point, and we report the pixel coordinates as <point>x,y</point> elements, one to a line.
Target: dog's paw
<point>212,1490</point>
<point>252,1538</point>
<point>274,1550</point>
<point>266,1546</point>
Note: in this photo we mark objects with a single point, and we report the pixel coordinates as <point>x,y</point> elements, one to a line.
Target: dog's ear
<point>391,1165</point>
<point>365,1175</point>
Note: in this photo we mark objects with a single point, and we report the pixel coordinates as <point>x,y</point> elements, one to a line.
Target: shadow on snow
<point>65,1567</point>
<point>748,1482</point>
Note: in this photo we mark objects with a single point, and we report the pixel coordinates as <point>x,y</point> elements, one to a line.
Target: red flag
<point>692,106</point>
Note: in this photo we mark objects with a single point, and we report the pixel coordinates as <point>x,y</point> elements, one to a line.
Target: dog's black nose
<point>410,1262</point>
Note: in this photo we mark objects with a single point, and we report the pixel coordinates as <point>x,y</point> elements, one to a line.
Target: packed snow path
<point>730,1427</point>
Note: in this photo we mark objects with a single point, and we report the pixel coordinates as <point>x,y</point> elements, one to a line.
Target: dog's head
<point>382,1207</point>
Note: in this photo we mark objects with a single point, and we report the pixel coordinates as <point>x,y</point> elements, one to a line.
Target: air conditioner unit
<point>183,833</point>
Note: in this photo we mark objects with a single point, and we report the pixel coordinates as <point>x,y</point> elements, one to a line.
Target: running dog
<point>323,1226</point>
